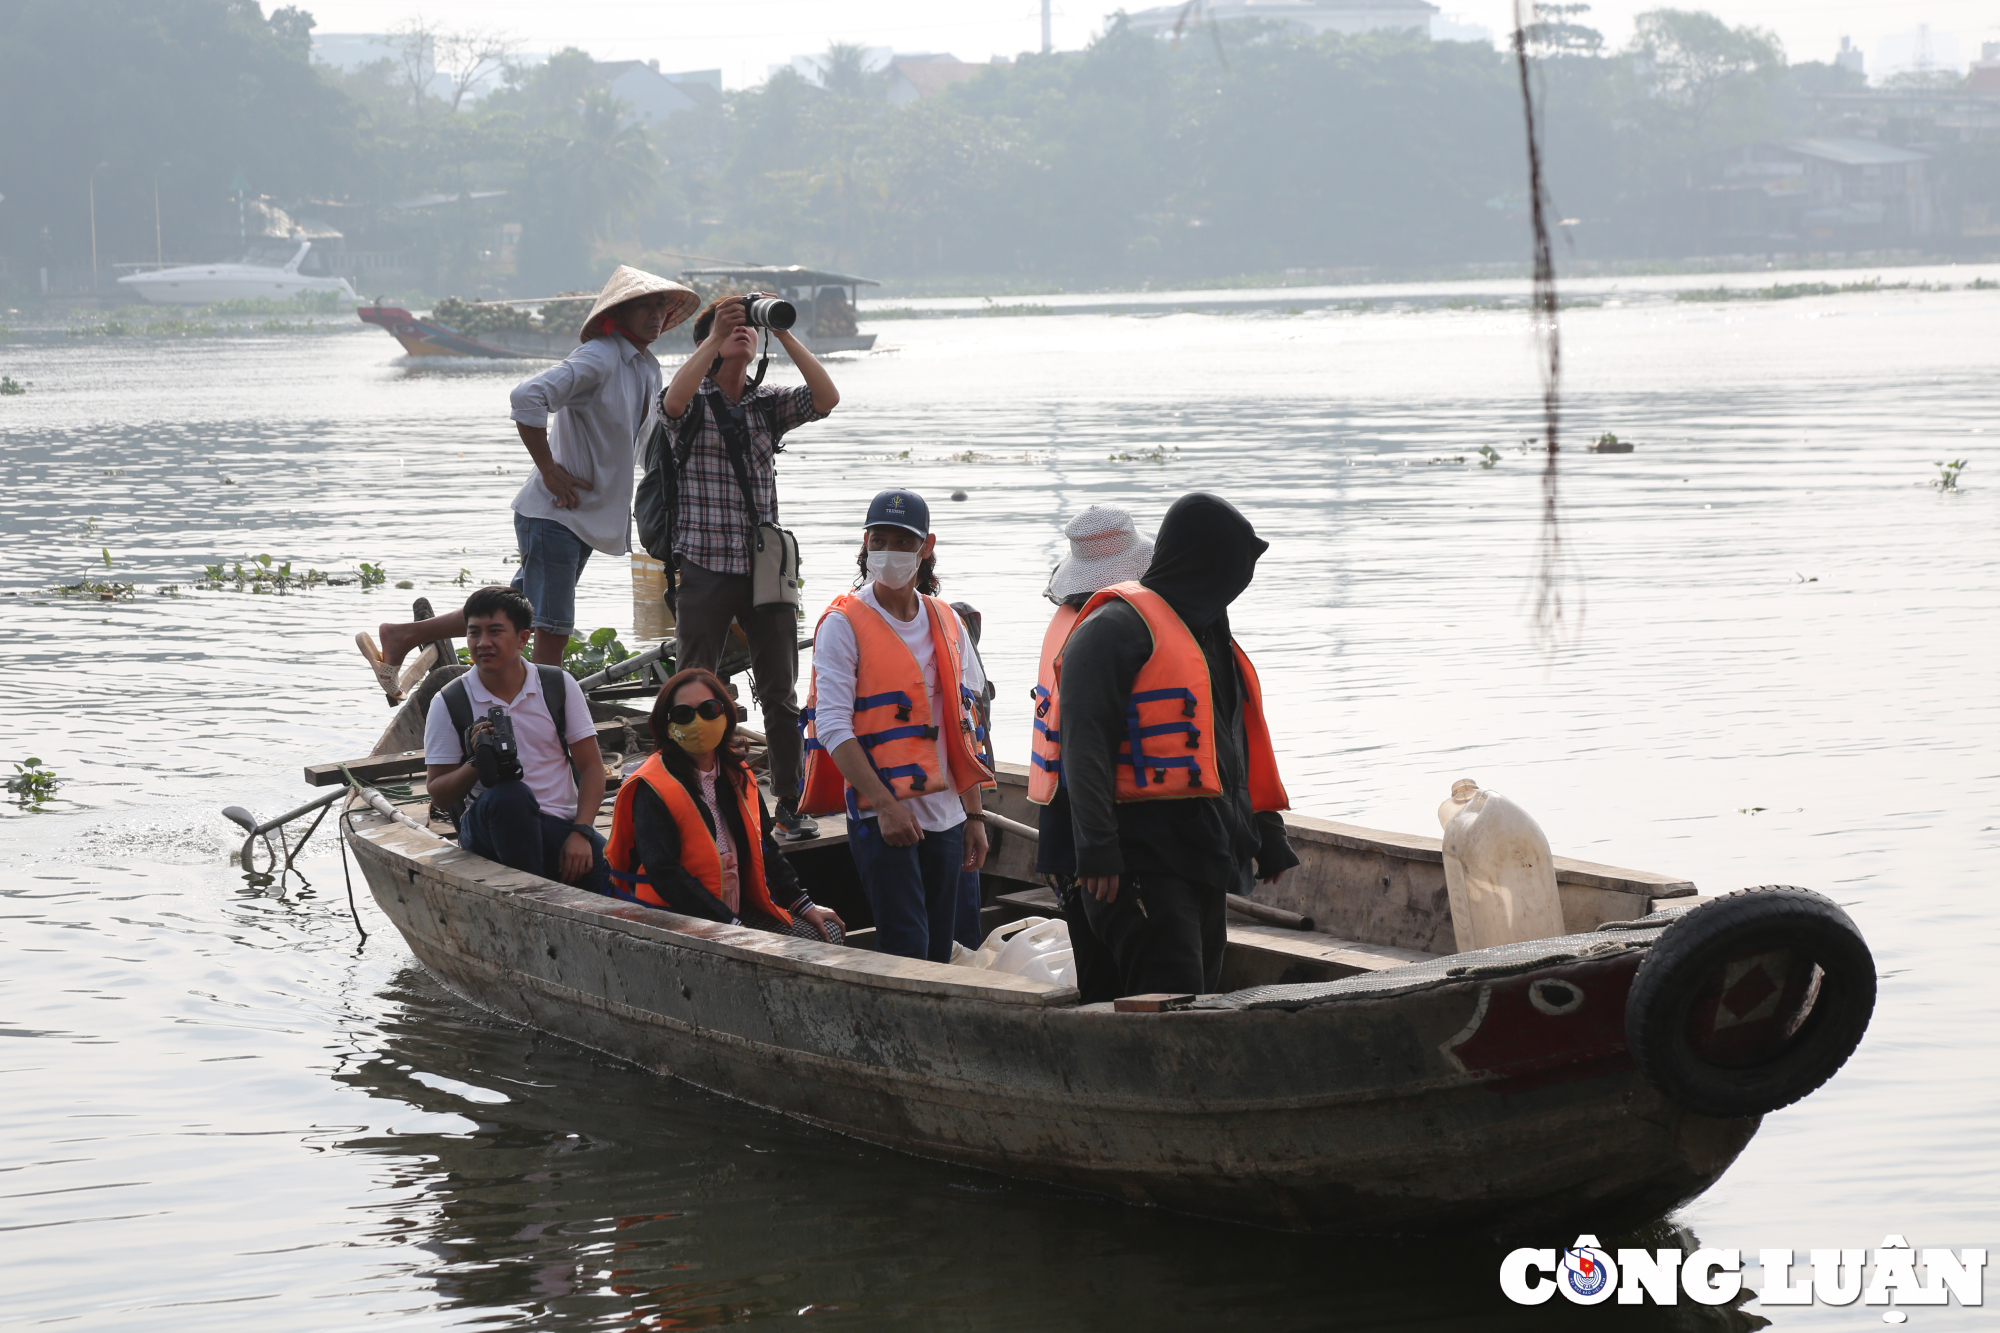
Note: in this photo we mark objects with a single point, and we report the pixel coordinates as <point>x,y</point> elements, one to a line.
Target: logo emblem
<point>1588,1275</point>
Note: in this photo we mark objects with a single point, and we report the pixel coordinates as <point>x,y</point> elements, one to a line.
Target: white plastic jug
<point>1051,967</point>
<point>1498,870</point>
<point>1025,946</point>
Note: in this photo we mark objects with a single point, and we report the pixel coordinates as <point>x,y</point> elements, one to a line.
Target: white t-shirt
<point>543,765</point>
<point>834,658</point>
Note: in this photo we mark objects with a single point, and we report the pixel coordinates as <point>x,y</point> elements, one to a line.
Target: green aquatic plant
<point>372,576</point>
<point>262,575</point>
<point>11,387</point>
<point>104,592</point>
<point>1157,455</point>
<point>586,657</point>
<point>1947,479</point>
<point>33,783</point>
<point>1488,455</point>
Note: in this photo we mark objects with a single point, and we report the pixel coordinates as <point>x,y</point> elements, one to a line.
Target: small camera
<point>495,753</point>
<point>769,312</point>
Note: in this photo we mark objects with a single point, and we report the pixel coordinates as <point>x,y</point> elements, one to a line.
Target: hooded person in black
<point>1157,871</point>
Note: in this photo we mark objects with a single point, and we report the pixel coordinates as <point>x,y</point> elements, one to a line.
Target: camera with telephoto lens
<point>769,312</point>
<point>495,754</point>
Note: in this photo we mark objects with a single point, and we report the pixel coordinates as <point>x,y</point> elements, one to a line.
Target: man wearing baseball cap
<point>890,732</point>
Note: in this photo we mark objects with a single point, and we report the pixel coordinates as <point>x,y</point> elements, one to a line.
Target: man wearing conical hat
<point>581,421</point>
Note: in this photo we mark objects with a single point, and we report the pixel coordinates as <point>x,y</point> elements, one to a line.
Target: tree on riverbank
<point>1132,160</point>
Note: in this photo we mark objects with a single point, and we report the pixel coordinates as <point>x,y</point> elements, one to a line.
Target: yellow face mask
<point>699,736</point>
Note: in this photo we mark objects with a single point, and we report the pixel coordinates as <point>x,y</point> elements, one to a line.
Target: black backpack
<point>657,500</point>
<point>554,697</point>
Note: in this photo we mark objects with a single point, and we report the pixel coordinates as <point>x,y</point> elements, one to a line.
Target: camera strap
<point>735,429</point>
<point>763,364</point>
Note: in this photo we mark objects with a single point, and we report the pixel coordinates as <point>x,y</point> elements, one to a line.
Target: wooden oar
<point>1256,911</point>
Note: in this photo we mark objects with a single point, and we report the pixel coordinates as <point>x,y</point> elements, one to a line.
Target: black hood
<point>1203,558</point>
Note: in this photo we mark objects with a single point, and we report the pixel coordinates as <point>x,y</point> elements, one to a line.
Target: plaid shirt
<point>711,527</point>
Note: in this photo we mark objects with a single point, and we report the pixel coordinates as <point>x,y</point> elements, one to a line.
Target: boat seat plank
<point>1308,945</point>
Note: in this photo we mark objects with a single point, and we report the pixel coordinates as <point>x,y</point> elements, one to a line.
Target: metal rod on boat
<point>1256,911</point>
<point>256,829</point>
<point>1006,825</point>
<point>631,666</point>
<point>380,804</point>
<point>1270,916</point>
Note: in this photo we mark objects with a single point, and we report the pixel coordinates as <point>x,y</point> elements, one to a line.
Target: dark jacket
<point>1203,559</point>
<point>658,840</point>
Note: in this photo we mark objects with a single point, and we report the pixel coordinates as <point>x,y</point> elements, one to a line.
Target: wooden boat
<point>808,289</point>
<point>1360,1077</point>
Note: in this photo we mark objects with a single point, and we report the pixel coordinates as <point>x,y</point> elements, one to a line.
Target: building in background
<point>1819,195</point>
<point>1984,77</point>
<point>1849,58</point>
<point>912,78</point>
<point>654,96</point>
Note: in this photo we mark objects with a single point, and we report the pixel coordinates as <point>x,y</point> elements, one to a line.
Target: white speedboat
<point>205,284</point>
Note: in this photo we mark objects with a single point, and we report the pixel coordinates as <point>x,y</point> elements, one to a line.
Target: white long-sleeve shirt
<point>834,662</point>
<point>601,399</point>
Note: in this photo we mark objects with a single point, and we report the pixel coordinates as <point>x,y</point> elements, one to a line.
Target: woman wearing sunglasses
<point>690,832</point>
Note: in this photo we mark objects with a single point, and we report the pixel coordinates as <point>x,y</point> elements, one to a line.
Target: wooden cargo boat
<point>826,304</point>
<point>1359,1077</point>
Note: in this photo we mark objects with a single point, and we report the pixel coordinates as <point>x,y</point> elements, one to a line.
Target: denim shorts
<point>552,560</point>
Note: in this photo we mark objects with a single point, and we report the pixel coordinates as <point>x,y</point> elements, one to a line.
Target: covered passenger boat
<point>1357,1076</point>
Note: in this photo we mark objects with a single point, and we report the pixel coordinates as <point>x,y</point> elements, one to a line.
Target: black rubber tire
<point>1676,970</point>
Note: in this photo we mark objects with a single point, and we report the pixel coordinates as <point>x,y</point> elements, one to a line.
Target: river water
<point>219,1109</point>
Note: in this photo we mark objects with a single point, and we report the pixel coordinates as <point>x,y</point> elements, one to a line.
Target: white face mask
<point>897,569</point>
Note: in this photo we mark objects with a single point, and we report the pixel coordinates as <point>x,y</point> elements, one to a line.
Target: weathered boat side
<point>1350,1116</point>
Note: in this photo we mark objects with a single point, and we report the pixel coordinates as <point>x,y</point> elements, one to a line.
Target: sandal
<point>385,675</point>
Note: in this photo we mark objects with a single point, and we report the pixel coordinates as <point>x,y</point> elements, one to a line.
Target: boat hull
<point>1446,1106</point>
<point>197,286</point>
<point>424,337</point>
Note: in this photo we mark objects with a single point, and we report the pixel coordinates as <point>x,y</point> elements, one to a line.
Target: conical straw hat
<point>629,282</point>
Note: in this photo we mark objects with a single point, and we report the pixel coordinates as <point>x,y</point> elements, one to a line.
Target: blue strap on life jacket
<point>1046,765</point>
<point>896,697</point>
<point>1137,758</point>
<point>874,738</point>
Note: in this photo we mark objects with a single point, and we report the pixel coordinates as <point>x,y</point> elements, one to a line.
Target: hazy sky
<point>743,37</point>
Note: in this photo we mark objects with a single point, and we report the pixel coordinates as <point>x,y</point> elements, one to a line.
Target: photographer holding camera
<point>726,431</point>
<point>517,740</point>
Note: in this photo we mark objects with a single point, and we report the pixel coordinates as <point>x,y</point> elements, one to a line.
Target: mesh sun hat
<point>1104,548</point>
<point>629,282</point>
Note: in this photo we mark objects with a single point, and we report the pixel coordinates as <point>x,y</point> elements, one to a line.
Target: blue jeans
<point>965,928</point>
<point>552,560</point>
<point>507,825</point>
<point>913,891</point>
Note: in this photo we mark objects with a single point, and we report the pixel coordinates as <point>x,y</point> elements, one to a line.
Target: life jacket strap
<point>896,697</point>
<point>872,739</point>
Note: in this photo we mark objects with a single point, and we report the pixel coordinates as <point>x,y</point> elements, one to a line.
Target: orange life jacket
<point>1170,716</point>
<point>698,854</point>
<point>892,714</point>
<point>1045,746</point>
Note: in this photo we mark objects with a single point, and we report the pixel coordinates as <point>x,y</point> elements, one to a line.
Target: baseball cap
<point>900,509</point>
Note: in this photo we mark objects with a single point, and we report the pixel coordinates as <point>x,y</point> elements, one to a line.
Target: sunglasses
<point>707,710</point>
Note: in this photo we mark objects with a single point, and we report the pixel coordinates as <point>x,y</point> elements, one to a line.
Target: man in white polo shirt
<point>534,812</point>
